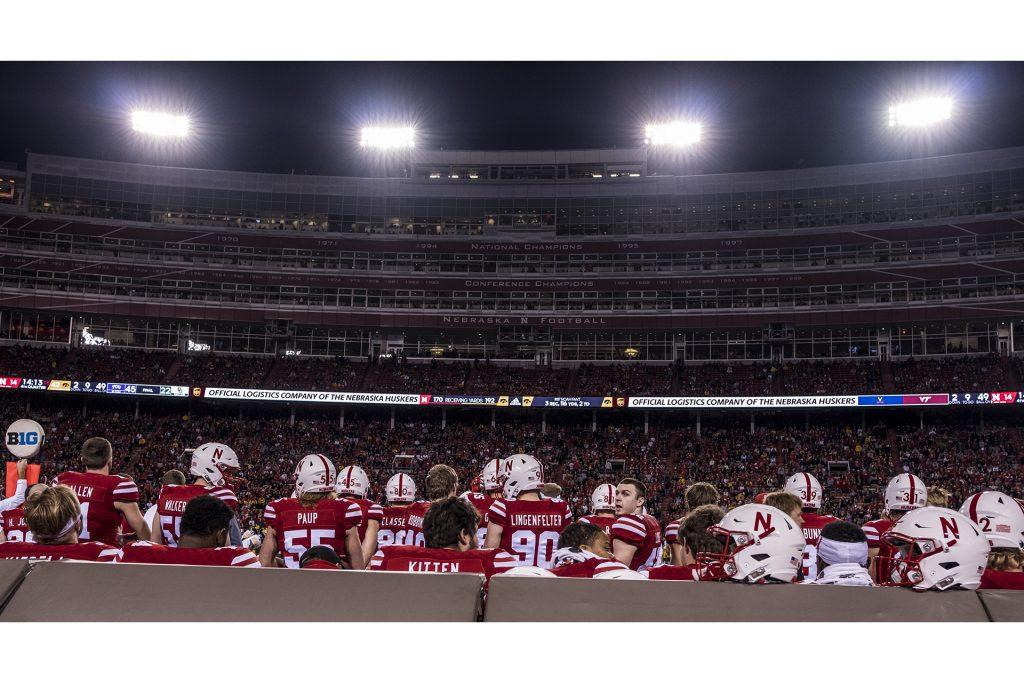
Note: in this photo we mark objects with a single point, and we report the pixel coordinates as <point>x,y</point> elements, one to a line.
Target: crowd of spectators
<point>820,378</point>
<point>853,463</point>
<point>974,374</point>
<point>317,374</point>
<point>623,379</point>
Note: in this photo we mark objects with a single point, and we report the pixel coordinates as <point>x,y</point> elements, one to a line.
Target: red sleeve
<point>871,531</point>
<point>106,553</point>
<point>377,561</point>
<point>374,513</point>
<point>270,513</point>
<point>630,529</point>
<point>126,491</point>
<point>672,532</point>
<point>245,558</point>
<point>672,573</point>
<point>992,578</point>
<point>566,516</point>
<point>497,513</point>
<point>354,514</point>
<point>502,562</point>
<point>226,496</point>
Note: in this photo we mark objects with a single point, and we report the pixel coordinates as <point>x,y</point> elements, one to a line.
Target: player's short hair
<point>789,503</point>
<point>844,532</point>
<point>446,519</point>
<point>700,493</point>
<point>49,512</point>
<point>35,489</point>
<point>96,452</point>
<point>319,552</point>
<point>693,529</point>
<point>641,490</point>
<point>551,490</point>
<point>441,482</point>
<point>579,534</point>
<point>205,515</point>
<point>1006,559</point>
<point>938,497</point>
<point>173,478</point>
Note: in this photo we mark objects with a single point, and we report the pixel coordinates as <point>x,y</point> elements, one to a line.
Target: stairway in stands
<point>276,370</point>
<point>173,370</point>
<point>888,381</point>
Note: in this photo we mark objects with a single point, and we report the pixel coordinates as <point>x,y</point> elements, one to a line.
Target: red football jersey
<point>530,528</point>
<point>604,522</point>
<point>407,558</point>
<point>402,525</point>
<point>12,522</point>
<point>993,578</point>
<point>370,511</point>
<point>672,531</point>
<point>482,502</point>
<point>97,494</point>
<point>874,531</point>
<point>90,551</point>
<point>587,569</point>
<point>144,552</point>
<point>642,531</point>
<point>813,524</point>
<point>668,572</point>
<point>299,528</point>
<point>173,499</point>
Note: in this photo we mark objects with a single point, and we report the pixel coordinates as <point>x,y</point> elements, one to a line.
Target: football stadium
<point>469,384</point>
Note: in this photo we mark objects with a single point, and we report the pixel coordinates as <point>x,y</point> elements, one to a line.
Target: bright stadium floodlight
<point>673,134</point>
<point>160,124</point>
<point>921,113</point>
<point>386,138</point>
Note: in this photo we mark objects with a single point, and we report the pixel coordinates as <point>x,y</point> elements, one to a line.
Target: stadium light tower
<point>160,124</point>
<point>921,113</point>
<point>388,137</point>
<point>673,134</point>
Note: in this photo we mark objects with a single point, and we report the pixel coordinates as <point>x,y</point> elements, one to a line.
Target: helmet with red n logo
<point>523,478</point>
<point>603,498</point>
<point>352,481</point>
<point>905,492</point>
<point>315,474</point>
<point>999,516</point>
<point>520,460</point>
<point>806,488</point>
<point>492,476</point>
<point>216,463</point>
<point>759,543</point>
<point>400,489</point>
<point>934,548</point>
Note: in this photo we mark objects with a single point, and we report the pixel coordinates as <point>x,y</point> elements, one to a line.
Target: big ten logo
<point>22,438</point>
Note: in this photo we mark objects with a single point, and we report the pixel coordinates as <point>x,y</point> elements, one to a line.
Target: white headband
<point>67,528</point>
<point>841,552</point>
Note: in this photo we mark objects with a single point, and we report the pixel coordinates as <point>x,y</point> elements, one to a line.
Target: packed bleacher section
<point>976,373</point>
<point>223,371</point>
<point>623,379</point>
<point>328,374</point>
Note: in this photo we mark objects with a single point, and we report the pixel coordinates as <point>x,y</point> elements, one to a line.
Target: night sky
<point>304,117</point>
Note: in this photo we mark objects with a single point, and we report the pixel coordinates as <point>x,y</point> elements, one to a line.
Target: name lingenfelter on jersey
<point>536,520</point>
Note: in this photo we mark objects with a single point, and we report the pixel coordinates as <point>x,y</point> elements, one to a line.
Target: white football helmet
<point>603,498</point>
<point>530,571</point>
<point>520,459</point>
<point>905,492</point>
<point>216,463</point>
<point>315,474</point>
<point>626,574</point>
<point>807,488</point>
<point>352,481</point>
<point>492,476</point>
<point>400,489</point>
<point>759,543</point>
<point>999,516</point>
<point>935,548</point>
<point>524,477</point>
